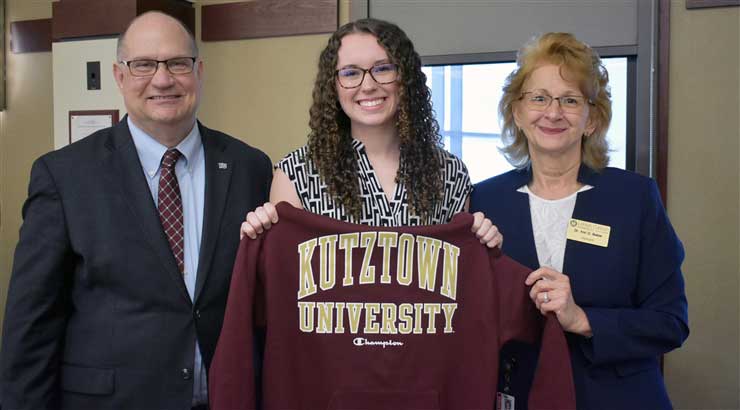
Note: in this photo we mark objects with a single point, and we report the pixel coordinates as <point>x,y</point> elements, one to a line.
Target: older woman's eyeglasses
<point>540,101</point>
<point>146,68</point>
<point>352,77</point>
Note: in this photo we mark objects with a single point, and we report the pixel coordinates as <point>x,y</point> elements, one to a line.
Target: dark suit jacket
<point>632,291</point>
<point>98,316</point>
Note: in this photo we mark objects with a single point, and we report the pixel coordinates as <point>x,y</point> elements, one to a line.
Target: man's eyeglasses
<point>145,68</point>
<point>352,77</point>
<point>539,101</point>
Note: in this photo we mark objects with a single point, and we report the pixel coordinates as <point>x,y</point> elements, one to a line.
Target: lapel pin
<point>222,165</point>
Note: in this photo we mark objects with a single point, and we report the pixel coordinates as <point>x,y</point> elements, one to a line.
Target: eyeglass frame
<point>365,71</point>
<point>128,65</point>
<point>586,100</point>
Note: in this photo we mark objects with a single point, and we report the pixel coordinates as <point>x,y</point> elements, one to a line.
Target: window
<point>466,97</point>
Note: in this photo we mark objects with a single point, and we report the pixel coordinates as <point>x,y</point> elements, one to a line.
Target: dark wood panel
<point>99,18</point>
<point>700,4</point>
<point>267,18</point>
<point>90,18</point>
<point>179,9</point>
<point>30,36</point>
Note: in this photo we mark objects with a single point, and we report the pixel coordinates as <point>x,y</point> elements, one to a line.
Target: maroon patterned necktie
<point>170,206</point>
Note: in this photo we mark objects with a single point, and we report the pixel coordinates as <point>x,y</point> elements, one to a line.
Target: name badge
<point>504,401</point>
<point>588,232</point>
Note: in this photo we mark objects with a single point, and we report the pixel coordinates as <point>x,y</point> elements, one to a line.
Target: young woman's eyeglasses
<point>539,101</point>
<point>352,77</point>
<point>145,68</point>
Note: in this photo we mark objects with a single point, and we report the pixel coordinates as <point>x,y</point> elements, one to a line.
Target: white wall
<point>703,192</point>
<point>70,82</point>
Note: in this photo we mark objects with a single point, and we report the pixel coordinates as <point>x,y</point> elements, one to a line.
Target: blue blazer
<point>632,290</point>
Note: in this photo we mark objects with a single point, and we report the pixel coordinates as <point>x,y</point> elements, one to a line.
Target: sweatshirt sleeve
<point>231,384</point>
<point>520,320</point>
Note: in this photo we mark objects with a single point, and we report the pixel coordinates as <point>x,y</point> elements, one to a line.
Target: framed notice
<point>84,123</point>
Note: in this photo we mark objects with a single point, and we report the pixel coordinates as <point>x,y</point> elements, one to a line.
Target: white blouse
<point>550,225</point>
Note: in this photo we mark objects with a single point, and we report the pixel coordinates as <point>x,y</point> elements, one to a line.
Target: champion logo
<point>361,341</point>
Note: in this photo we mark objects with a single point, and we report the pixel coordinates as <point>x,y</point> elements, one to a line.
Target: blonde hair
<point>579,63</point>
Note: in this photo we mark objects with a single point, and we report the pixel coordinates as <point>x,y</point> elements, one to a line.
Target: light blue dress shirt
<point>191,176</point>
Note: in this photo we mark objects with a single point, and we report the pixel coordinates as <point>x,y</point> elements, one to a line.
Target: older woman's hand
<point>551,292</point>
<point>258,221</point>
<point>486,231</point>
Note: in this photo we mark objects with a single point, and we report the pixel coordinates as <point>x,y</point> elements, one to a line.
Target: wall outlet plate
<point>93,75</point>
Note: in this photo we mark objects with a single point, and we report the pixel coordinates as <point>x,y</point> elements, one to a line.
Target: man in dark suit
<point>124,261</point>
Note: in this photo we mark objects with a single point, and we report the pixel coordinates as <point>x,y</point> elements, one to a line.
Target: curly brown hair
<point>330,142</point>
<point>578,62</point>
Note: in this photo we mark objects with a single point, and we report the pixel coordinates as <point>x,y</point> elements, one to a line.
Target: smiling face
<point>552,131</point>
<point>163,105</point>
<point>371,107</point>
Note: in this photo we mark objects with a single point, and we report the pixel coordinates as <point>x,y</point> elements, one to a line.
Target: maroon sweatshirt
<point>362,317</point>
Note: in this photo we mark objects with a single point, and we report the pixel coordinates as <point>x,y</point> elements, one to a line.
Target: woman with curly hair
<point>374,152</point>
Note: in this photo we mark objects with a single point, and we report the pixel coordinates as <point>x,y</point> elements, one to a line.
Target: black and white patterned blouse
<point>376,209</point>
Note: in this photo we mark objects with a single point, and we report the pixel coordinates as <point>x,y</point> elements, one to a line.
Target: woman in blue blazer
<point>607,260</point>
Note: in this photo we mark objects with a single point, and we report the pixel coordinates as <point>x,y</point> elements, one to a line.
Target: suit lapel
<point>125,170</point>
<point>520,225</point>
<point>586,176</point>
<point>219,167</point>
<point>523,218</point>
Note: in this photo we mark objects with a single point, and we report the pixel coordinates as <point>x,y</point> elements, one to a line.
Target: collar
<point>586,176</point>
<point>357,145</point>
<point>150,151</point>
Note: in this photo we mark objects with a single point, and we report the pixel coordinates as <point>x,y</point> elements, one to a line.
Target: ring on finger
<point>546,298</point>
